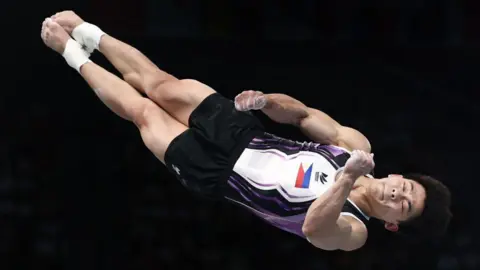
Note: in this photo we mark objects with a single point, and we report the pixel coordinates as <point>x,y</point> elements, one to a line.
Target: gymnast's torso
<point>278,179</point>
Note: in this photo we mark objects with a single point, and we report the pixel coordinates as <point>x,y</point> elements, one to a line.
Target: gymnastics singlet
<point>278,179</point>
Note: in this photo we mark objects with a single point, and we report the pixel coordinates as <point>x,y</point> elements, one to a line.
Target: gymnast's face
<point>395,199</point>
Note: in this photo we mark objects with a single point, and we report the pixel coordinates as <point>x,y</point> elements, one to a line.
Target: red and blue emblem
<point>303,177</point>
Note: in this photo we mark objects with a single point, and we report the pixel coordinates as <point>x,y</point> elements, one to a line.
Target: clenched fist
<point>250,100</point>
<point>359,163</point>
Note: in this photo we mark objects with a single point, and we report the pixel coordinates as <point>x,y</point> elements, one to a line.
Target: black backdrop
<point>79,189</point>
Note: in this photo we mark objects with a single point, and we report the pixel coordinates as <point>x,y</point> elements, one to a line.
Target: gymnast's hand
<point>250,100</point>
<point>359,163</point>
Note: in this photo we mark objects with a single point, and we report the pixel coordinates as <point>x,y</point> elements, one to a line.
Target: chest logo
<point>303,177</point>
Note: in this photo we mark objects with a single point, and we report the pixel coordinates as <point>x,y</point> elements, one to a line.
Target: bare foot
<point>54,36</point>
<point>68,20</point>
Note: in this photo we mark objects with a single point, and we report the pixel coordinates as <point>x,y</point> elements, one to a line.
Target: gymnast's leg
<point>178,97</point>
<point>157,128</point>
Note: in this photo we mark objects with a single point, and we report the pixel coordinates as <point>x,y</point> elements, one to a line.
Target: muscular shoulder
<point>358,235</point>
<point>350,234</point>
<point>357,226</point>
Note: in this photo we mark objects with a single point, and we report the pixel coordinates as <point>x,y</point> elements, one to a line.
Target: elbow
<point>314,232</point>
<point>307,232</point>
<point>298,116</point>
<point>309,228</point>
<point>298,121</point>
<point>318,241</point>
<point>320,238</point>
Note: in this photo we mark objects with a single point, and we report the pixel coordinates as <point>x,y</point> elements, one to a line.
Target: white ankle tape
<point>88,35</point>
<point>75,56</point>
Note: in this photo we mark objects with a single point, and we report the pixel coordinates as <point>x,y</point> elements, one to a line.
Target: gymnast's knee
<point>156,80</point>
<point>185,91</point>
<point>148,81</point>
<point>141,114</point>
<point>166,92</point>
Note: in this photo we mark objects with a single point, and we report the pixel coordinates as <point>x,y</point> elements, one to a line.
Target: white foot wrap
<point>75,56</point>
<point>88,35</point>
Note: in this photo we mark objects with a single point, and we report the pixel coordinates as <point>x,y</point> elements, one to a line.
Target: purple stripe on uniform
<point>292,224</point>
<point>281,143</point>
<point>292,227</point>
<point>269,146</point>
<point>284,223</point>
<point>259,139</point>
<point>255,206</point>
<point>248,191</point>
<point>238,183</point>
<point>332,149</point>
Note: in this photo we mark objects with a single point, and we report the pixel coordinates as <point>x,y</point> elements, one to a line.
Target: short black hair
<point>433,222</point>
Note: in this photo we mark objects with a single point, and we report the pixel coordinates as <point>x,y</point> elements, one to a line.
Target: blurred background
<point>78,190</point>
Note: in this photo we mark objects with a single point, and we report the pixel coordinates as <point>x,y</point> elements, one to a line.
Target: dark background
<point>78,190</point>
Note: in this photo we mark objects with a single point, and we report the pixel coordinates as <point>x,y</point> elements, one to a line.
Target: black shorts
<point>203,156</point>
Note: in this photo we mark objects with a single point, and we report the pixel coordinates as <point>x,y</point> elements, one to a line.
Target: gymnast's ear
<point>391,227</point>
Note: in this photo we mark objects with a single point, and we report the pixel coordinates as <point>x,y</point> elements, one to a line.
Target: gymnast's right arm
<point>317,125</point>
<point>325,228</point>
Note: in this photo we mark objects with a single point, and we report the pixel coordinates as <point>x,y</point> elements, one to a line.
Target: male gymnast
<point>321,191</point>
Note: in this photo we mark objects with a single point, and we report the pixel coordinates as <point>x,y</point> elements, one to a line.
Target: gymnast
<point>323,191</point>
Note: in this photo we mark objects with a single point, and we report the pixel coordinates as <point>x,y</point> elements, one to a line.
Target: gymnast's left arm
<point>324,226</point>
